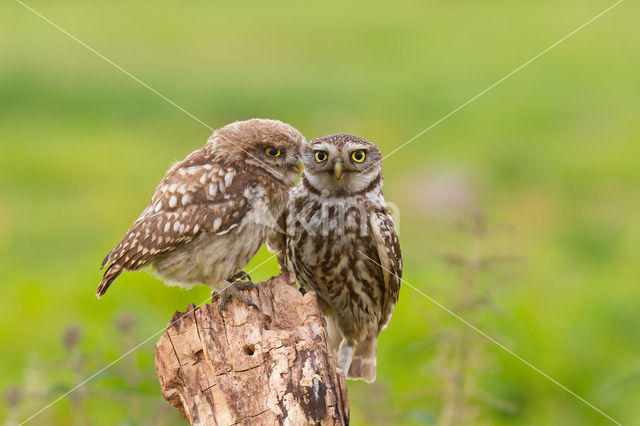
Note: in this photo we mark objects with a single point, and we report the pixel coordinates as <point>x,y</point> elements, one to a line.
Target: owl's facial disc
<point>341,164</point>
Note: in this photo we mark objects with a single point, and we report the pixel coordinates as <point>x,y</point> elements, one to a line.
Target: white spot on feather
<point>217,223</point>
<point>228,178</point>
<point>176,226</point>
<point>166,227</point>
<point>213,189</point>
<point>185,199</point>
<point>173,201</point>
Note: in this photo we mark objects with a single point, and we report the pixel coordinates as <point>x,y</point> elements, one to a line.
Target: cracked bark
<point>259,367</point>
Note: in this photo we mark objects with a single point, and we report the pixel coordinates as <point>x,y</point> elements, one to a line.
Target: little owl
<point>212,211</point>
<point>336,235</point>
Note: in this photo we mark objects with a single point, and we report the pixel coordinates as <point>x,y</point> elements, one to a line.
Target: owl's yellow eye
<point>358,156</point>
<point>273,151</point>
<point>321,156</point>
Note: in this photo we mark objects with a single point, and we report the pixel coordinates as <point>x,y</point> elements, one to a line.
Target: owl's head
<point>270,145</point>
<point>342,164</point>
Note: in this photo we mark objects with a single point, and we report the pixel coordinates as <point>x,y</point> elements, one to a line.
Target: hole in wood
<point>199,355</point>
<point>249,350</point>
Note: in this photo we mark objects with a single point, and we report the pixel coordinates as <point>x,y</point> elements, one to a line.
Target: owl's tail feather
<point>106,260</point>
<point>363,365</point>
<point>109,276</point>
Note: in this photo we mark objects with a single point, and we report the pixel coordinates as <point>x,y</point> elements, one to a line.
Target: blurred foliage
<point>129,387</point>
<point>550,156</point>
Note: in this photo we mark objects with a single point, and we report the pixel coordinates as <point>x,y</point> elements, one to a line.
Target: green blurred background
<point>519,212</point>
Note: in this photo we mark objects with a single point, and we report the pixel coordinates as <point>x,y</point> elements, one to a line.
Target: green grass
<point>550,157</point>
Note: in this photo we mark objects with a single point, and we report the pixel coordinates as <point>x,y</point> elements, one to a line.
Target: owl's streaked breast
<point>326,239</point>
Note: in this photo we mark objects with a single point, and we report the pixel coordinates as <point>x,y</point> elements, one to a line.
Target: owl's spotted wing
<point>194,197</point>
<point>390,257</point>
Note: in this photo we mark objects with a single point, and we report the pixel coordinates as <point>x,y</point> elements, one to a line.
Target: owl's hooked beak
<point>337,170</point>
<point>299,166</point>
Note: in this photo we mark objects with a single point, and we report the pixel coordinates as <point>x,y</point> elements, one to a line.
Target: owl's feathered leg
<point>335,337</point>
<point>345,355</point>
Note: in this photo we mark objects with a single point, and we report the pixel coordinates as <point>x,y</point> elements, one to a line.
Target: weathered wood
<point>259,367</point>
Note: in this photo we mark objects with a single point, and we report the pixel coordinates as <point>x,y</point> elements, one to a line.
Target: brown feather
<point>209,192</point>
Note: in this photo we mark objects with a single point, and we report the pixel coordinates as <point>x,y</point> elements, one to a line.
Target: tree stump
<point>271,365</point>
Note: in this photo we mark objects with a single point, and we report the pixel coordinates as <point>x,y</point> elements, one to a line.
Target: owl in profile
<point>338,237</point>
<point>212,211</point>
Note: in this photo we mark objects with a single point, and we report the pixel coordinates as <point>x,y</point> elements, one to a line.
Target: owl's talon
<point>244,285</point>
<point>233,292</point>
<point>240,276</point>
